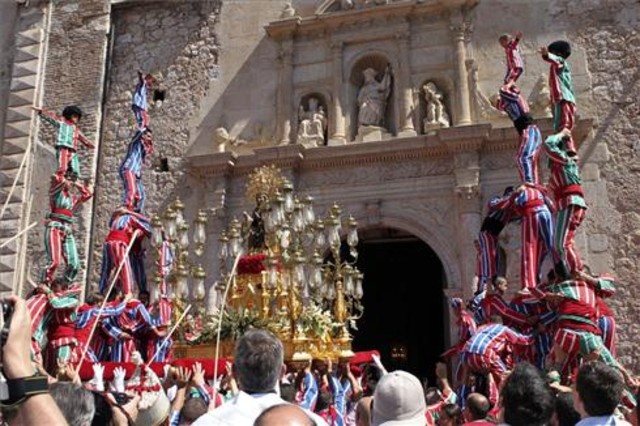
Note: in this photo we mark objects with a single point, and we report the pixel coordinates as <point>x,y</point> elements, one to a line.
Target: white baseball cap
<point>399,401</point>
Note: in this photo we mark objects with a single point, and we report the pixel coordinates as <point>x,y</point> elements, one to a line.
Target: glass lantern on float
<point>176,276</point>
<point>283,281</point>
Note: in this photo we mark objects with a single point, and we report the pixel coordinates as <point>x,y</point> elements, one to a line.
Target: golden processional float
<point>291,278</point>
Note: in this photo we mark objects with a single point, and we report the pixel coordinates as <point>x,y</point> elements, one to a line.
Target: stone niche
<point>370,61</point>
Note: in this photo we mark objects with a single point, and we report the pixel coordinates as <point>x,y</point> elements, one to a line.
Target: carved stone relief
<point>379,173</point>
<point>312,123</point>
<point>436,115</point>
<point>540,98</point>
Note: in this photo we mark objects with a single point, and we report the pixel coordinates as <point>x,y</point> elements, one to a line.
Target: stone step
<point>9,176</point>
<point>28,37</point>
<point>13,211</point>
<point>14,145</point>
<point>25,68</point>
<point>9,227</point>
<point>24,82</point>
<point>10,248</point>
<point>17,129</point>
<point>10,161</point>
<point>27,53</point>
<point>7,263</point>
<point>6,281</point>
<point>16,197</point>
<point>19,113</point>
<point>21,98</point>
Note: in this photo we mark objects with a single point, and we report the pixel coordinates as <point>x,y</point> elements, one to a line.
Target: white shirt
<point>244,409</point>
<point>603,421</point>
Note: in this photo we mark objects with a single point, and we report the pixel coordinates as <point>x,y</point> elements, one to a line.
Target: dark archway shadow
<point>404,304</point>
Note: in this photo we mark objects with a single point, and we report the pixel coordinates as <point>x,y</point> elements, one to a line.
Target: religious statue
<point>372,97</point>
<point>436,115</point>
<point>540,97</point>
<point>288,11</point>
<point>312,124</point>
<point>254,226</point>
<point>221,138</point>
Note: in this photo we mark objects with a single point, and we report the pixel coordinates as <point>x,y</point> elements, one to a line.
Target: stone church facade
<point>251,82</point>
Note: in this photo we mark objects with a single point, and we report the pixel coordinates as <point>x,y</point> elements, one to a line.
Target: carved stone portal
<point>436,116</point>
<point>312,124</point>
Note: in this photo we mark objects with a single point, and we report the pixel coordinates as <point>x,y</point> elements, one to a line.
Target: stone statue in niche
<point>540,98</point>
<point>312,124</point>
<point>436,115</point>
<point>372,104</point>
<point>372,97</point>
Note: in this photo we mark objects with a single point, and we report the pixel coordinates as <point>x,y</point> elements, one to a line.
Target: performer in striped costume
<point>160,311</point>
<point>528,306</point>
<point>499,213</point>
<point>122,330</point>
<point>566,185</point>
<point>124,224</point>
<point>139,102</point>
<point>306,389</point>
<point>58,236</point>
<point>537,231</point>
<point>484,353</point>
<point>494,305</point>
<point>87,314</point>
<point>68,137</point>
<point>515,64</point>
<point>606,319</point>
<point>39,314</point>
<point>466,328</point>
<point>63,301</point>
<point>562,95</point>
<point>512,102</point>
<point>130,170</point>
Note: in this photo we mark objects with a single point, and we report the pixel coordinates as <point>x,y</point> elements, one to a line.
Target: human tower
<point>562,320</point>
<point>111,325</point>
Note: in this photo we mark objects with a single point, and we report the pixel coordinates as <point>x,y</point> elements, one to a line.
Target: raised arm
<point>48,116</point>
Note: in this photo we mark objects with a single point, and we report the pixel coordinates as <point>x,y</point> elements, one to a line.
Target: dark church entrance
<point>404,314</point>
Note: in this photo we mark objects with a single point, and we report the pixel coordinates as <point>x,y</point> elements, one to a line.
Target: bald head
<point>284,415</point>
<point>363,411</point>
<point>478,406</point>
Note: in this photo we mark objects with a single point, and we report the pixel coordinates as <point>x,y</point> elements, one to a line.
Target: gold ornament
<point>264,181</point>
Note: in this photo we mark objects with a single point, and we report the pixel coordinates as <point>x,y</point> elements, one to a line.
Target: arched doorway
<point>404,304</point>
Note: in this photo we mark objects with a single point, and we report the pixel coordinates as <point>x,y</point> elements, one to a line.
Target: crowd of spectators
<point>259,389</point>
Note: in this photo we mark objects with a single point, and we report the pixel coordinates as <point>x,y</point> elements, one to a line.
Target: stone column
<point>286,91</point>
<point>405,91</point>
<point>468,205</point>
<point>337,132</point>
<point>459,30</point>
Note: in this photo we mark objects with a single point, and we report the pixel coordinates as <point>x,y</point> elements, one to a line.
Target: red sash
<point>117,235</point>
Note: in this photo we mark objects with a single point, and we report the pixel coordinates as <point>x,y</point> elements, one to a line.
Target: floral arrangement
<point>252,264</point>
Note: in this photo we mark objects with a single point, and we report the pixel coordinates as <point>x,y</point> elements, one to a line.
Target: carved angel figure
<point>312,124</point>
<point>436,116</point>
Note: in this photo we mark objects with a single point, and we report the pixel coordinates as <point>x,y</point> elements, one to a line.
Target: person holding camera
<point>25,399</point>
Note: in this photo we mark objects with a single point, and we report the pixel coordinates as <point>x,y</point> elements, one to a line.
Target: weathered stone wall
<point>609,34</point>
<point>73,75</point>
<point>177,43</point>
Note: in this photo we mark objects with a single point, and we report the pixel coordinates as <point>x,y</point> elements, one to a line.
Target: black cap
<point>70,111</point>
<point>561,48</point>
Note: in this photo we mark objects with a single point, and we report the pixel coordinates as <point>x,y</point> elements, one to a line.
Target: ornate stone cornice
<point>400,10</point>
<point>454,142</point>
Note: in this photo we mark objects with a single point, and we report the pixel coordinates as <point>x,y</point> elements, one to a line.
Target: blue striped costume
<point>512,102</point>
<point>131,173</point>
